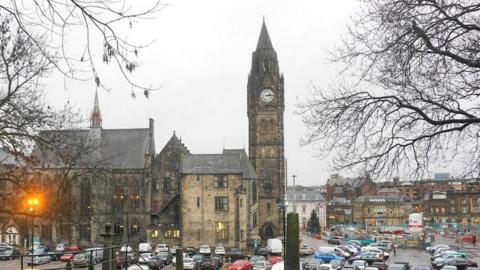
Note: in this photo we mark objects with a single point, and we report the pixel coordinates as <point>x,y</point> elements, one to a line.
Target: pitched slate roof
<point>307,195</point>
<point>230,162</point>
<point>9,159</point>
<point>264,41</point>
<point>174,143</point>
<point>337,180</point>
<point>117,148</point>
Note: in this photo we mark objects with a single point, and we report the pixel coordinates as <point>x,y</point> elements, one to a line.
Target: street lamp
<point>32,203</point>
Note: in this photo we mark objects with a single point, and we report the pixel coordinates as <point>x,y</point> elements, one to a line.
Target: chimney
<point>151,134</point>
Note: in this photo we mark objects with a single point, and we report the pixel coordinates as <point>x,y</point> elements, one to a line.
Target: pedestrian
<point>394,251</point>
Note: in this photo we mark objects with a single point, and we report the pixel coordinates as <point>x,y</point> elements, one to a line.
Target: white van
<point>274,246</point>
<point>144,248</point>
<point>97,253</point>
<point>373,249</point>
<point>161,247</point>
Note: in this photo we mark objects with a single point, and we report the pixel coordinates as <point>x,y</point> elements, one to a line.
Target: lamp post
<point>32,204</point>
<point>294,194</point>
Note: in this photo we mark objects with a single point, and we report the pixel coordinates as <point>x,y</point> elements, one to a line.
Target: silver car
<point>37,260</point>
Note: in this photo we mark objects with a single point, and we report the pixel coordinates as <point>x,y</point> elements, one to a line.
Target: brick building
<point>378,211</point>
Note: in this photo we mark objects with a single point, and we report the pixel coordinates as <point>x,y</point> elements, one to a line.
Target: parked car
<point>144,248</point>
<point>450,256</point>
<point>261,251</point>
<point>235,254</point>
<point>165,256</point>
<point>241,265</point>
<point>74,248</point>
<point>369,257</point>
<point>173,250</point>
<point>189,263</point>
<point>380,265</point>
<point>96,253</point>
<point>40,259</point>
<point>449,267</point>
<point>262,265</point>
<point>337,264</point>
<point>274,246</point>
<point>161,247</point>
<point>335,240</point>
<point>205,250</point>
<point>442,253</point>
<point>407,265</point>
<point>220,251</point>
<point>218,260</point>
<point>9,253</point>
<point>327,256</point>
<point>325,266</point>
<point>459,263</point>
<point>155,263</point>
<point>138,267</point>
<point>362,264</point>
<point>145,257</point>
<point>208,263</point>
<point>397,266</point>
<point>122,261</point>
<point>198,258</point>
<point>313,264</point>
<point>437,247</point>
<point>275,259</point>
<point>306,250</point>
<point>82,260</point>
<point>67,257</point>
<point>257,258</point>
<point>190,251</point>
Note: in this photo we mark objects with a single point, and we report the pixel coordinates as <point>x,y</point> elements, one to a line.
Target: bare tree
<point>413,100</point>
<point>62,22</point>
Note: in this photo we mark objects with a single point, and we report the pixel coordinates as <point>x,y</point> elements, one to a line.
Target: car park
<point>241,265</point>
<point>459,263</point>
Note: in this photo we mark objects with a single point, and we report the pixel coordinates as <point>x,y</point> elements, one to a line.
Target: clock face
<point>267,95</point>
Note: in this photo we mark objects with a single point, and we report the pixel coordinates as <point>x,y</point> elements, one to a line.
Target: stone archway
<point>268,231</point>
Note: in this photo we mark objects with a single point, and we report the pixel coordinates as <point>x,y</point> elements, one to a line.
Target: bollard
<point>108,262</point>
<point>21,262</point>
<point>292,252</point>
<point>68,266</point>
<point>179,258</point>
<point>91,266</point>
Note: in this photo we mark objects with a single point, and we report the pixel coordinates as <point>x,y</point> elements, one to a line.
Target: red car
<point>74,248</point>
<point>275,259</point>
<point>67,257</point>
<point>241,265</point>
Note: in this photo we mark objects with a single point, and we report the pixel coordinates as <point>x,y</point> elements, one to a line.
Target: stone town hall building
<point>177,197</point>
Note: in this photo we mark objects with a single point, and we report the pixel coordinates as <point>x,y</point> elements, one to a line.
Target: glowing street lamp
<point>33,204</point>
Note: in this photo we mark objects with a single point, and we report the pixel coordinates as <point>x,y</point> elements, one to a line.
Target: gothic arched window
<point>266,65</point>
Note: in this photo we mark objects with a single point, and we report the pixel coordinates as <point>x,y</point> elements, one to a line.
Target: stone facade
<point>378,211</point>
<point>215,196</point>
<point>266,104</point>
<point>303,202</point>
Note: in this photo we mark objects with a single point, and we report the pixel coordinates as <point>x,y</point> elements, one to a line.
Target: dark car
<point>209,264</point>
<point>198,258</point>
<point>263,251</point>
<point>313,264</point>
<point>155,263</point>
<point>121,261</point>
<point>350,267</point>
<point>9,253</point>
<point>380,265</point>
<point>165,256</point>
<point>335,240</point>
<point>397,266</point>
<point>235,254</point>
<point>190,251</point>
<point>218,260</point>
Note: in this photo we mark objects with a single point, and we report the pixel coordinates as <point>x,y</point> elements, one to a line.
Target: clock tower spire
<point>265,94</point>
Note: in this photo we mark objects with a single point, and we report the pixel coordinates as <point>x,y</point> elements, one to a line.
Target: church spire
<point>96,117</point>
<point>264,41</point>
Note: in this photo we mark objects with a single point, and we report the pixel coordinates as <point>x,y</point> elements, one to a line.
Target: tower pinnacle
<point>264,41</point>
<point>96,117</point>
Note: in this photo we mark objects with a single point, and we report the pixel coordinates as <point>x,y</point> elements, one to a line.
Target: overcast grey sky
<point>202,55</point>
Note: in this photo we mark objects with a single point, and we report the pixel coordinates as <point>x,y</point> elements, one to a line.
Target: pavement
<point>416,257</point>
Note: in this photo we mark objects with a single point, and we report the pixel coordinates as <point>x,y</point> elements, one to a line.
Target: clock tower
<point>266,104</point>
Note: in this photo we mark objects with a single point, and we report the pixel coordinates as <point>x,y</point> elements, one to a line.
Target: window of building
<point>304,209</point>
<point>221,181</point>
<point>254,220</point>
<point>443,210</point>
<point>166,183</point>
<point>475,209</point>
<point>241,202</point>
<point>172,233</point>
<point>464,200</point>
<point>390,212</point>
<point>452,210</point>
<point>452,202</point>
<point>84,232</point>
<point>198,201</point>
<point>304,197</point>
<point>268,206</point>
<point>199,235</point>
<point>437,210</point>
<point>464,210</point>
<point>221,204</point>
<point>221,231</point>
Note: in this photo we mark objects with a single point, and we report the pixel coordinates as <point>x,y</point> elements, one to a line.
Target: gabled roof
<point>116,148</point>
<point>264,41</point>
<point>229,162</point>
<point>175,143</point>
